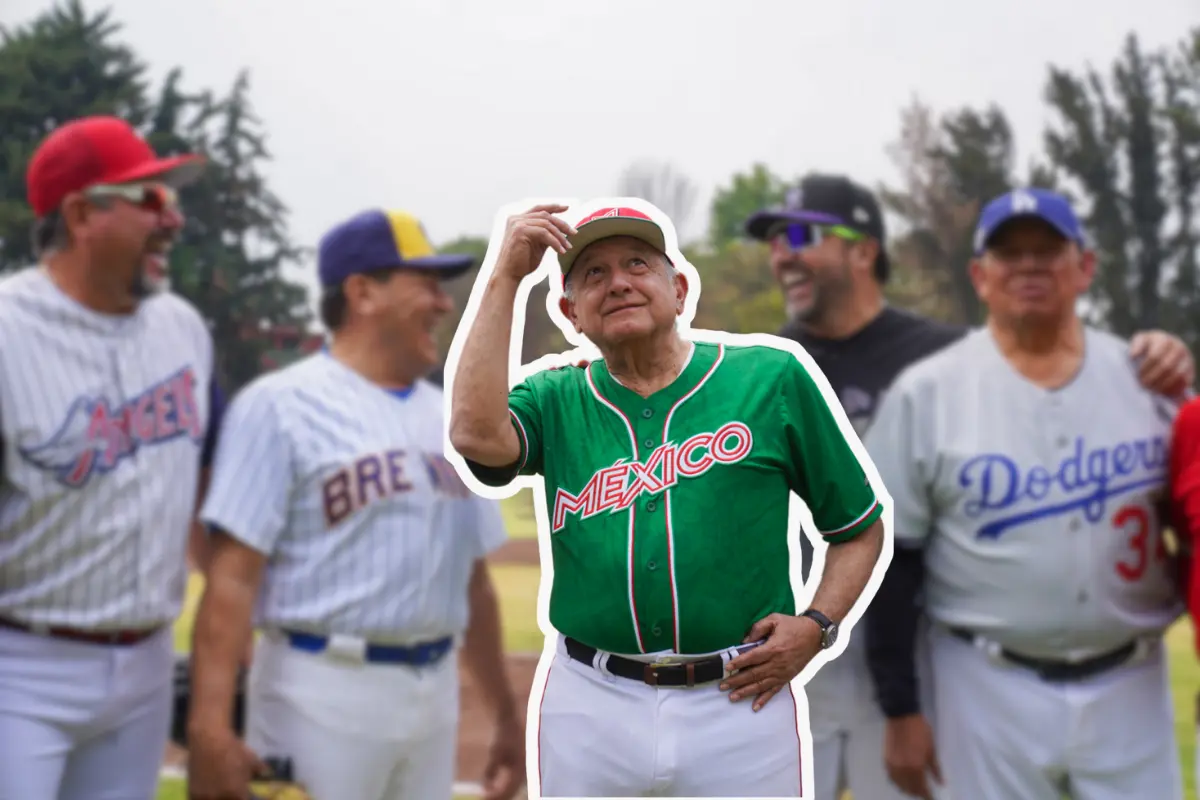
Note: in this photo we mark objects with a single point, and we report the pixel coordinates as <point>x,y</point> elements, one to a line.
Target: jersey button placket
<point>652,533</point>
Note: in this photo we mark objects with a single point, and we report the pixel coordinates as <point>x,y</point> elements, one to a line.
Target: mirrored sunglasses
<point>798,235</point>
<point>154,197</point>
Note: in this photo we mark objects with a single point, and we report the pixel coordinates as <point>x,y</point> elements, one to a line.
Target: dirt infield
<point>475,728</point>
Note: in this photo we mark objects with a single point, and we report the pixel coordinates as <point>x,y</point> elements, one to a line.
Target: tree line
<point>1122,142</point>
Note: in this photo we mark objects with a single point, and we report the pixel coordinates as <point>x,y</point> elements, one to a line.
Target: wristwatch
<point>829,628</point>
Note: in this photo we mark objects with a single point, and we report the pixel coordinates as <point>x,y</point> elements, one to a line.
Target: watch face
<point>831,635</point>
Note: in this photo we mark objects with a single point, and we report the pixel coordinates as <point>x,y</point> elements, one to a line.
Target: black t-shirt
<point>861,367</point>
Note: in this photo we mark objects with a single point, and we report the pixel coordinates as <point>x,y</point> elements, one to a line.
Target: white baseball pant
<point>1004,732</point>
<point>600,735</point>
<point>355,730</point>
<point>82,721</point>
<point>848,725</point>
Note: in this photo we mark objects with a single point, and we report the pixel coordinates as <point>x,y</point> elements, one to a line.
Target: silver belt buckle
<point>342,647</point>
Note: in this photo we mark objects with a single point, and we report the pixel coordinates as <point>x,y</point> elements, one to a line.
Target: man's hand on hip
<point>790,644</point>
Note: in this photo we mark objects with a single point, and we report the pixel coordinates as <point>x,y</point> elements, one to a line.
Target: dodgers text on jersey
<point>1010,494</point>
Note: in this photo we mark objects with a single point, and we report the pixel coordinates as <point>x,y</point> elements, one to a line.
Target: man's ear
<point>74,211</point>
<point>681,291</point>
<point>568,310</point>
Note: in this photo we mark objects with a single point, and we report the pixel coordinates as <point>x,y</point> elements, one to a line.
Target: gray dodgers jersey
<point>1036,508</point>
<point>367,528</point>
<point>103,420</point>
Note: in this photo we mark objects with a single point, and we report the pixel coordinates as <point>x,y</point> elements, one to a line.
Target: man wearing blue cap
<point>343,534</point>
<point>1027,464</point>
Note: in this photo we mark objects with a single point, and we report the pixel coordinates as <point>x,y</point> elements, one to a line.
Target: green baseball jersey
<point>669,514</point>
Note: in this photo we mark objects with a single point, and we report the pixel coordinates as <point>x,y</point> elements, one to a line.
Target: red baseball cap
<point>98,150</point>
<point>615,221</point>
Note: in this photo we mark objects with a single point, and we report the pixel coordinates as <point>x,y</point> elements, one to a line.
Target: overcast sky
<point>453,108</point>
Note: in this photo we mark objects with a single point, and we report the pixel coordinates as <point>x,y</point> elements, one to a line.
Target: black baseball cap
<point>827,200</point>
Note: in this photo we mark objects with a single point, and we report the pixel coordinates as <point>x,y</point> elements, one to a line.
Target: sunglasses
<point>797,235</point>
<point>151,196</point>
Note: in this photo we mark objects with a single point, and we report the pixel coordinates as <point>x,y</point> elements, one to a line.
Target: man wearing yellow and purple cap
<point>107,409</point>
<point>666,468</point>
<point>342,533</point>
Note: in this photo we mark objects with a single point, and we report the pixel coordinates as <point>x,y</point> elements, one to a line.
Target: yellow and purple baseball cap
<point>377,239</point>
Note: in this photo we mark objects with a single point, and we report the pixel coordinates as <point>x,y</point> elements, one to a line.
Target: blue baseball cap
<point>1051,208</point>
<point>377,239</point>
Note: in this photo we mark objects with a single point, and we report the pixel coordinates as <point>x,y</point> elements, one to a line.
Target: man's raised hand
<point>526,237</point>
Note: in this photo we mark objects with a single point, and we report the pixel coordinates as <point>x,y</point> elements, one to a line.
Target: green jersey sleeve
<point>525,409</point>
<point>525,413</point>
<point>825,472</point>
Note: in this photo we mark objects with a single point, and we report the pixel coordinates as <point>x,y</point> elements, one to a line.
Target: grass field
<point>518,586</point>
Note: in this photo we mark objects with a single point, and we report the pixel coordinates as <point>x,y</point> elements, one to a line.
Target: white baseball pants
<point>600,735</point>
<point>81,721</point>
<point>848,725</point>
<point>353,730</point>
<point>1003,732</point>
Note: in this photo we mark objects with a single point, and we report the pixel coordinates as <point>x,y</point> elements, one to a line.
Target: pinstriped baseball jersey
<point>104,421</point>
<point>368,528</point>
<point>669,514</point>
<point>1038,509</point>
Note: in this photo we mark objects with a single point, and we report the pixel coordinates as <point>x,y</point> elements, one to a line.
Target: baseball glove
<point>280,784</point>
<point>278,790</point>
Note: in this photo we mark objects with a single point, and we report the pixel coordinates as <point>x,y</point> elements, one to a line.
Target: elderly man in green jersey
<point>668,467</point>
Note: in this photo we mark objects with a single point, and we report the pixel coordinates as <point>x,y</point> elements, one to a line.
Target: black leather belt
<point>1061,671</point>
<point>704,670</point>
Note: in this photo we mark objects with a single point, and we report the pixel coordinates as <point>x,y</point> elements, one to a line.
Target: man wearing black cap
<point>342,531</point>
<point>828,253</point>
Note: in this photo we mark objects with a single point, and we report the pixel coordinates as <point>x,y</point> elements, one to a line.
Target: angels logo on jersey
<point>95,437</point>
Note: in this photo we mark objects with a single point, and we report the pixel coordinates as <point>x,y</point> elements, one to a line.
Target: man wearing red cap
<point>667,469</point>
<point>107,407</point>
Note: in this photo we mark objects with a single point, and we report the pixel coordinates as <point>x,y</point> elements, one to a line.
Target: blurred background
<point>312,111</point>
